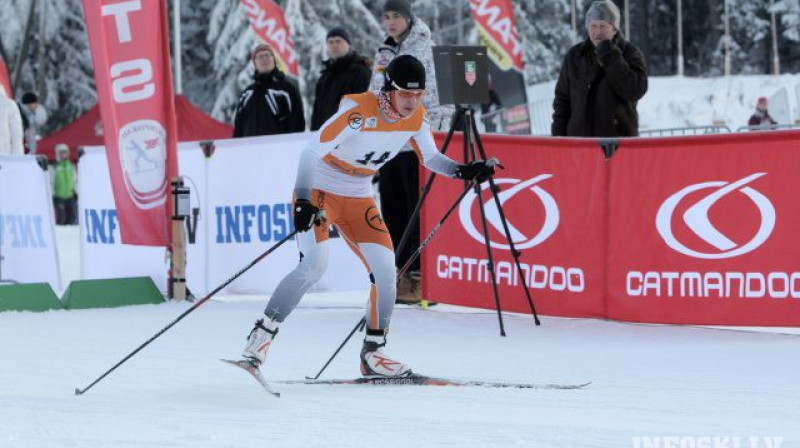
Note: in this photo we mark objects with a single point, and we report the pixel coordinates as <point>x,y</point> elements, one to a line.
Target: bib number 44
<point>368,158</point>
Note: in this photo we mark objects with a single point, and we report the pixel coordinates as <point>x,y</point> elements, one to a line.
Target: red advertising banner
<point>706,230</point>
<point>269,24</point>
<point>553,196</point>
<point>130,52</point>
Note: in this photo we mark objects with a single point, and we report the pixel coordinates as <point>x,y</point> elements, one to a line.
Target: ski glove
<point>305,215</point>
<point>477,170</point>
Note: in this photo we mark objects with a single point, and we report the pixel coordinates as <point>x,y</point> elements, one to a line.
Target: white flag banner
<point>103,255</point>
<point>28,251</point>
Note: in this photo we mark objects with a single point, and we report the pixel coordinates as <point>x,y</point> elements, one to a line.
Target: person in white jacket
<point>35,116</point>
<point>10,126</point>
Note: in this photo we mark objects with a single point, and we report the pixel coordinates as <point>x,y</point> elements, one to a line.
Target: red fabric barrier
<point>553,197</point>
<point>706,230</point>
<point>686,230</point>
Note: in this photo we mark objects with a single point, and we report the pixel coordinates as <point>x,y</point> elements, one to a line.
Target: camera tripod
<point>472,140</point>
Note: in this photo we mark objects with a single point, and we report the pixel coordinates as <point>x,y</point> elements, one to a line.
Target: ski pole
<point>361,323</point>
<point>187,312</point>
<point>359,327</point>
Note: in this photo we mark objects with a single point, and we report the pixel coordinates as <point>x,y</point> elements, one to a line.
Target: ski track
<point>647,380</point>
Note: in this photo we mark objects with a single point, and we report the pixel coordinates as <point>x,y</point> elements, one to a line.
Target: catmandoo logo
<point>143,152</point>
<point>521,240</point>
<point>697,220</point>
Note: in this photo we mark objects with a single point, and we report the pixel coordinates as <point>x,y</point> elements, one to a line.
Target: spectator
<point>399,178</point>
<point>272,104</point>
<point>64,187</point>
<point>345,72</point>
<point>11,131</point>
<point>489,112</point>
<point>34,116</point>
<point>601,81</point>
<point>761,119</point>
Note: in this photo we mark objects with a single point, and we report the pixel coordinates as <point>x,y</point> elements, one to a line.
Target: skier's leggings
<point>360,224</point>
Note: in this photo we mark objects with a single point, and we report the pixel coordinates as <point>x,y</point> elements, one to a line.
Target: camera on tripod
<point>462,74</point>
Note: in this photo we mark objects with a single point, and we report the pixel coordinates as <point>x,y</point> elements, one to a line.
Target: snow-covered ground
<point>677,101</point>
<point>647,381</point>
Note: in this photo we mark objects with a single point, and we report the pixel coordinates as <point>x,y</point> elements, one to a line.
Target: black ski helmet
<point>405,72</point>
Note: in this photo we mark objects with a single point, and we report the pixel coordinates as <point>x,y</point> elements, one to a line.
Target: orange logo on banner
<point>269,24</point>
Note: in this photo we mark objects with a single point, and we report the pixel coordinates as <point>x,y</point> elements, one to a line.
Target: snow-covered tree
<point>546,34</point>
<point>789,11</point>
<point>199,85</point>
<point>65,66</point>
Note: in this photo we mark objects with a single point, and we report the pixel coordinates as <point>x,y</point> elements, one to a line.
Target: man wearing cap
<point>761,119</point>
<point>272,104</point>
<point>601,81</point>
<point>345,72</point>
<point>399,185</point>
<point>334,184</point>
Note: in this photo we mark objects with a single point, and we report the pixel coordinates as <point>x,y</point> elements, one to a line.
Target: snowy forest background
<point>216,41</point>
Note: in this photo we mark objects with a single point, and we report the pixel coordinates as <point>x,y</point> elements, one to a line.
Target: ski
<point>254,371</point>
<point>423,380</point>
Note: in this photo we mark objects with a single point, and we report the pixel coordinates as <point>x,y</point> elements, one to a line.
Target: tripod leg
<point>469,150</point>
<point>514,253</point>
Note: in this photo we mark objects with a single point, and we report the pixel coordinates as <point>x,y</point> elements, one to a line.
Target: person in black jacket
<point>272,104</point>
<point>601,81</point>
<point>345,72</point>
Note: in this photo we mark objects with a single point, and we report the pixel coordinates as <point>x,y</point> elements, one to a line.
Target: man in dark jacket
<point>272,104</point>
<point>345,72</point>
<point>601,81</point>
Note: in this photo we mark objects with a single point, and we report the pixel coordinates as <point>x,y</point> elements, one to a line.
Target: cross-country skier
<point>334,184</point>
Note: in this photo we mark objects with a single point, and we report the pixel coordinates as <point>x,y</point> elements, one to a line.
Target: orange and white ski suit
<point>335,174</point>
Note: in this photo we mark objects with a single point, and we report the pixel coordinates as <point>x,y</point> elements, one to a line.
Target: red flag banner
<point>269,24</point>
<point>5,82</point>
<point>498,31</point>
<point>129,42</point>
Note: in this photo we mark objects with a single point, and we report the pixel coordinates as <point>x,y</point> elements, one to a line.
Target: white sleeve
<point>429,155</point>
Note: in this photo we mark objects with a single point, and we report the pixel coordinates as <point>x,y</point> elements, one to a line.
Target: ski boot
<point>375,363</point>
<point>259,340</point>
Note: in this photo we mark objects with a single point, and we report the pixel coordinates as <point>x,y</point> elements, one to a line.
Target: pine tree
<point>198,75</point>
<point>546,35</point>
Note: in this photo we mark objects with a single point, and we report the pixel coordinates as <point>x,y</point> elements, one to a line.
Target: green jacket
<point>64,184</point>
